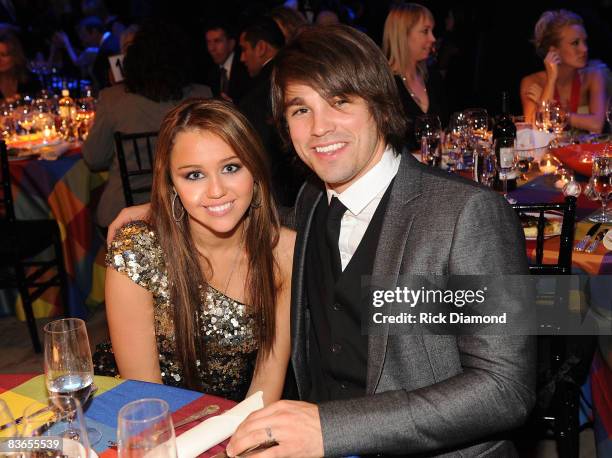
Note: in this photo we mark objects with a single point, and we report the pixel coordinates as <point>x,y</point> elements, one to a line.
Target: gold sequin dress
<point>228,326</point>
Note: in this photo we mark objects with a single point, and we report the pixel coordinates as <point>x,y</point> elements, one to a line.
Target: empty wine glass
<point>477,123</point>
<point>61,418</point>
<point>68,364</point>
<point>427,132</point>
<point>600,184</point>
<point>145,427</point>
<point>8,428</point>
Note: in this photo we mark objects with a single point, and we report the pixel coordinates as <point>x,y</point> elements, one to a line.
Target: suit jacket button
<point>336,348</point>
<point>343,386</point>
<point>337,307</point>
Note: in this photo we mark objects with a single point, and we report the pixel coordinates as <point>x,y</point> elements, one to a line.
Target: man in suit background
<point>376,212</point>
<point>228,78</point>
<point>260,41</point>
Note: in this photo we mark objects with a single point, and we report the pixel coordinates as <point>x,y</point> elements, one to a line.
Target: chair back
<point>563,266</point>
<point>7,209</point>
<point>135,166</point>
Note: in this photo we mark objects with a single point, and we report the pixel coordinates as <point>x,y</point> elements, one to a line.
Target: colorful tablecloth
<point>64,190</point>
<point>22,390</point>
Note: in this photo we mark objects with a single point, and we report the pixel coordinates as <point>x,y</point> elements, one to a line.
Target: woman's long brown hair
<point>185,277</point>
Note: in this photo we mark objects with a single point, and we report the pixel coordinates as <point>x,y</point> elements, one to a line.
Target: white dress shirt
<point>227,65</point>
<point>361,200</point>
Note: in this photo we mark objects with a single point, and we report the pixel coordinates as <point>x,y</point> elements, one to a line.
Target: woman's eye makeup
<point>232,168</point>
<point>194,175</point>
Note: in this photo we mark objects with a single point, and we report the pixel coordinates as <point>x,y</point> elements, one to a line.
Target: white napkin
<point>52,152</point>
<point>532,139</point>
<point>216,429</point>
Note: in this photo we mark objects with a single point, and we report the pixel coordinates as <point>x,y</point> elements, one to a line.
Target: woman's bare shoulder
<point>538,78</point>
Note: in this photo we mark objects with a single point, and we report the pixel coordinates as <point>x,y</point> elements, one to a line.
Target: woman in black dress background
<point>408,41</point>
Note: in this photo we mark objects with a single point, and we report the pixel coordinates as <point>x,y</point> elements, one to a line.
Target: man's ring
<point>270,439</point>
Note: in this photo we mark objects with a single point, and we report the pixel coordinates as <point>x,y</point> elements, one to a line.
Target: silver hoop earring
<point>180,218</point>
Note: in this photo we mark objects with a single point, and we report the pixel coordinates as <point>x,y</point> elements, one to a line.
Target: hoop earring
<point>256,199</point>
<point>180,218</point>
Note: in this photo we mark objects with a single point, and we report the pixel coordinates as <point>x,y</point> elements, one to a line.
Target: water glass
<point>61,418</point>
<point>68,364</point>
<point>600,183</point>
<point>145,427</point>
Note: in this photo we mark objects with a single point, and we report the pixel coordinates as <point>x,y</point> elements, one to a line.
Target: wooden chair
<point>140,166</point>
<point>23,265</point>
<point>561,358</point>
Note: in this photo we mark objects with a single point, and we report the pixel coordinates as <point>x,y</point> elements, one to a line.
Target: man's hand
<point>127,215</point>
<point>294,425</point>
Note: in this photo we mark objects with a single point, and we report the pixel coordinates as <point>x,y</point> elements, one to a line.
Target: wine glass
<point>61,419</point>
<point>8,427</point>
<point>427,132</point>
<point>145,427</point>
<point>68,364</point>
<point>600,184</point>
<point>477,123</point>
<point>506,163</point>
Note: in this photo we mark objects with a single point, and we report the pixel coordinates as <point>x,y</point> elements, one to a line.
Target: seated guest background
<point>560,39</point>
<point>157,78</point>
<point>407,43</point>
<point>15,79</point>
<point>228,77</point>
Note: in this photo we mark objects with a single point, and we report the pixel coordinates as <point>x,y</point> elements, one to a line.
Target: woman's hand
<point>127,215</point>
<point>551,64</point>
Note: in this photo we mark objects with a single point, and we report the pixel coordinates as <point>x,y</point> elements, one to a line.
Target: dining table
<point>22,390</point>
<point>63,189</point>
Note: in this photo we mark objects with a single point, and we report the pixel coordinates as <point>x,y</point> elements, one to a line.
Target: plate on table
<point>552,225</point>
<point>579,157</point>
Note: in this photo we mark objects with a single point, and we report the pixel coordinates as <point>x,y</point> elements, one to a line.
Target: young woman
<point>408,41</point>
<point>560,39</point>
<point>199,297</point>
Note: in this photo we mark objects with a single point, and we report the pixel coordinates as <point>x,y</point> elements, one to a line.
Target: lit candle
<point>548,167</point>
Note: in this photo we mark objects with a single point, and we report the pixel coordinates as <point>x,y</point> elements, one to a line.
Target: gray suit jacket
<point>427,394</point>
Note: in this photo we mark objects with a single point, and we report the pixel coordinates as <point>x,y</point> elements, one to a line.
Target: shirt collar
<point>228,62</point>
<point>358,195</point>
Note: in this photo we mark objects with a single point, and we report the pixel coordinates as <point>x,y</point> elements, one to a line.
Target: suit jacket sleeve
<point>495,390</point>
<point>98,149</point>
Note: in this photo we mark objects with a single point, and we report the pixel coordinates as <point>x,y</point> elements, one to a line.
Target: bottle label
<point>506,158</point>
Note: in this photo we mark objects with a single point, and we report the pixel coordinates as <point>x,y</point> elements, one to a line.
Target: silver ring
<point>270,436</point>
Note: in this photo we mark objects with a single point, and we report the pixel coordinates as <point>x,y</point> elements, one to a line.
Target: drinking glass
<point>61,418</point>
<point>8,428</point>
<point>477,123</point>
<point>145,427</point>
<point>427,132</point>
<point>600,184</point>
<point>68,364</point>
<point>609,113</point>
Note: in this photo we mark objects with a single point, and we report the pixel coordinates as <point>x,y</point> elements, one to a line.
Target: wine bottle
<point>504,138</point>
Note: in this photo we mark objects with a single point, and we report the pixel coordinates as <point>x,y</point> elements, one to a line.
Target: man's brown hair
<point>337,60</point>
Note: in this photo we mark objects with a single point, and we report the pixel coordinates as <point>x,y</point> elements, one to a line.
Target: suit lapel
<point>308,200</point>
<point>390,252</point>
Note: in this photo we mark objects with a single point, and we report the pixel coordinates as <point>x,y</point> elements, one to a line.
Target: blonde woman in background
<point>560,39</point>
<point>408,41</point>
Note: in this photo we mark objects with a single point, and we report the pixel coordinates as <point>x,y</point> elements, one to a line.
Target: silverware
<point>595,243</point>
<point>586,239</point>
<point>209,410</point>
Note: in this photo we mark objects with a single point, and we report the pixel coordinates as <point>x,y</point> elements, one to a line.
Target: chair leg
<point>61,270</point>
<point>27,308</point>
<point>567,433</point>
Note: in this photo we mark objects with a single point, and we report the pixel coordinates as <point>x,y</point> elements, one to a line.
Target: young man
<point>335,97</point>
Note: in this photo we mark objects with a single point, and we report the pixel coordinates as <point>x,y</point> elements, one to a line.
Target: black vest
<point>338,352</point>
